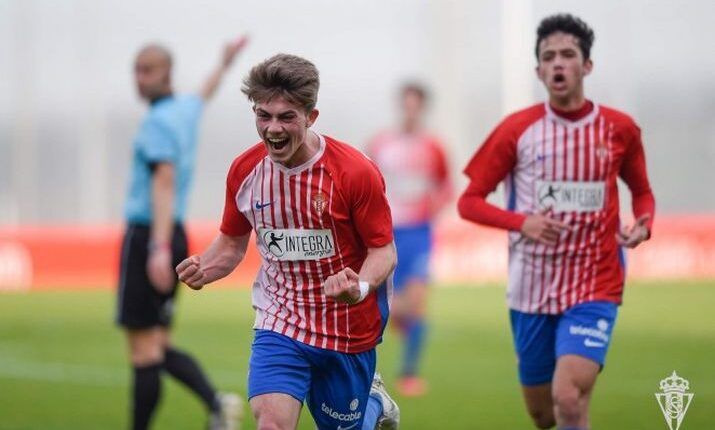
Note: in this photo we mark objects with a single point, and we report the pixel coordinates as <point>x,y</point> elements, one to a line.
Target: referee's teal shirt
<point>167,134</point>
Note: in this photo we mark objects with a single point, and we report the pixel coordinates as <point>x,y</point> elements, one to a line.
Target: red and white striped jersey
<point>311,221</point>
<point>415,171</point>
<point>568,163</point>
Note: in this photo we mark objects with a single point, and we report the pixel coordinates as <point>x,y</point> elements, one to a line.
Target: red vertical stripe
<point>577,219</point>
<point>560,257</point>
<point>532,142</point>
<point>295,319</point>
<point>583,220</point>
<point>310,267</point>
<point>317,296</point>
<point>329,304</point>
<point>555,274</point>
<point>600,169</point>
<point>333,307</point>
<point>342,315</point>
<point>579,175</point>
<point>568,267</point>
<point>301,285</point>
<point>287,268</point>
<point>544,298</point>
<point>590,279</point>
<point>566,218</point>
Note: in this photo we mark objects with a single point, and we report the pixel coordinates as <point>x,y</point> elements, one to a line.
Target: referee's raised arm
<point>230,51</point>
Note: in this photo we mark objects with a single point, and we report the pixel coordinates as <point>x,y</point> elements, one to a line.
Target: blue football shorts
<point>334,385</point>
<point>414,246</point>
<point>539,339</point>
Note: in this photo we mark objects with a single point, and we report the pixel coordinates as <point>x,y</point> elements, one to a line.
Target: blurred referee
<point>155,242</point>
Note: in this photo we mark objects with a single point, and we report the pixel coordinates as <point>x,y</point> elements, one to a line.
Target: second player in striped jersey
<point>560,162</point>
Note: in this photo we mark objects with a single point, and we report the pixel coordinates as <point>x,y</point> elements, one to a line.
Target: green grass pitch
<point>63,362</point>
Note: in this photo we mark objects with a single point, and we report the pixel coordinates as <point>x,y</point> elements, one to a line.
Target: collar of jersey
<point>568,123</point>
<point>307,164</point>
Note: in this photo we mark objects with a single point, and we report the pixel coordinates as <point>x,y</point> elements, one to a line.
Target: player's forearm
<point>644,203</point>
<point>378,265</point>
<point>222,256</point>
<point>474,207</point>
<point>162,202</point>
<point>635,175</point>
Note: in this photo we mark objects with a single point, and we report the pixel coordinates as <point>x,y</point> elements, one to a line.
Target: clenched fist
<point>343,286</point>
<point>190,272</point>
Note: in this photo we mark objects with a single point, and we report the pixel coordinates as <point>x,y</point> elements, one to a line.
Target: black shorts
<point>139,305</point>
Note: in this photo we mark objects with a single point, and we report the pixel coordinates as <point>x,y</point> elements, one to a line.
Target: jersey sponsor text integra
<point>289,244</point>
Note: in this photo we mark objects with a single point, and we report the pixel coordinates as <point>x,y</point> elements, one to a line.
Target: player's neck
<point>570,103</point>
<point>572,110</point>
<point>411,127</point>
<point>307,150</point>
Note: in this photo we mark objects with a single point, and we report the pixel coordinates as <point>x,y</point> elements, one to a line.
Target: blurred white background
<point>69,110</point>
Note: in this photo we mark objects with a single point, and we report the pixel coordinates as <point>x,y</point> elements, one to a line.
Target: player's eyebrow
<point>290,112</point>
<point>551,51</point>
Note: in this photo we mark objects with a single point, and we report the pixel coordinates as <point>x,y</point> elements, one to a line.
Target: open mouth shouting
<point>277,144</point>
<point>558,82</point>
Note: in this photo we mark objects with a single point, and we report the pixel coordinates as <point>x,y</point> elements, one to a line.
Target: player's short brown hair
<point>292,77</point>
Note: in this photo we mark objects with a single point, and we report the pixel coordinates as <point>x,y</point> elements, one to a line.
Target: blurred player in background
<point>560,161</point>
<point>324,233</point>
<point>418,186</point>
<point>155,241</point>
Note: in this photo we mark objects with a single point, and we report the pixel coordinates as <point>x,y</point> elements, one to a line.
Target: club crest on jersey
<point>601,150</point>
<point>320,202</point>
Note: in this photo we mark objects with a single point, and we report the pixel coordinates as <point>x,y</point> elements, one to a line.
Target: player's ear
<point>587,67</point>
<point>539,72</point>
<point>312,116</point>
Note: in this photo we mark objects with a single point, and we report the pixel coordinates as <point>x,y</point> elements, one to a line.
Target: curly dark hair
<point>290,76</point>
<point>569,24</point>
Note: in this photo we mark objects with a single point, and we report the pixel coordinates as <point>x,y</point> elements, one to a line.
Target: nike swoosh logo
<point>592,344</point>
<point>346,428</point>
<point>260,206</point>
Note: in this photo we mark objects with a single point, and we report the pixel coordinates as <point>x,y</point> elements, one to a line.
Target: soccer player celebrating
<point>154,242</point>
<point>415,169</point>
<point>324,232</point>
<point>560,161</point>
